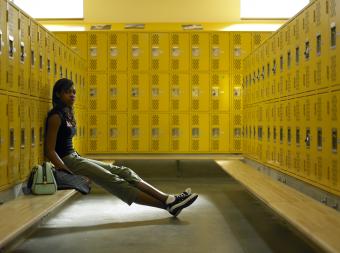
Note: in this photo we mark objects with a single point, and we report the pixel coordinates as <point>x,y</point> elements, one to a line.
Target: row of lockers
<point>301,57</point>
<point>159,132</point>
<point>22,132</point>
<point>162,51</point>
<point>160,92</point>
<point>298,135</point>
<point>32,58</point>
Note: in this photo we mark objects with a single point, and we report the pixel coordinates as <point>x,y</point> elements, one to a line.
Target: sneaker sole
<point>179,207</point>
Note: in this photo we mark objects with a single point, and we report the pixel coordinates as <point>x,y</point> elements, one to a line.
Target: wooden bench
<point>18,215</point>
<point>319,223</point>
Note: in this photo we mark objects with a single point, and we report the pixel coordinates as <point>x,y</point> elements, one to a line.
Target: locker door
<point>159,92</point>
<point>41,62</point>
<point>138,54</point>
<point>333,135</point>
<point>219,133</point>
<point>34,55</point>
<point>288,56</point>
<point>97,92</point>
<point>283,135</point>
<point>24,139</point>
<point>118,92</point>
<point>13,47</point>
<point>297,55</point>
<point>77,41</point>
<point>117,51</point>
<point>219,58</point>
<point>289,135</point>
<point>159,53</point>
<point>334,60</point>
<point>24,55</point>
<point>43,109</point>
<point>219,92</point>
<point>179,55</point>
<point>199,132</point>
<point>179,92</point>
<point>117,132</point>
<point>200,92</point>
<point>259,137</point>
<point>3,45</point>
<point>50,66</point>
<point>200,51</point>
<point>34,131</point>
<point>159,132</point>
<point>138,132</point>
<point>138,98</point>
<point>97,126</point>
<point>97,51</point>
<point>298,136</point>
<point>179,132</point>
<point>3,140</point>
<point>267,134</point>
<point>14,144</point>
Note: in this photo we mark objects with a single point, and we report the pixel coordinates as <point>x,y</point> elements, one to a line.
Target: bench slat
<point>318,222</point>
<point>21,213</point>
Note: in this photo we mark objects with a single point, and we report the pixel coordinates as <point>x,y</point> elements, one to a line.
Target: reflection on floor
<point>225,218</point>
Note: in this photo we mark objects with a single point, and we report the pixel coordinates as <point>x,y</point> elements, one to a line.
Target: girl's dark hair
<point>61,85</point>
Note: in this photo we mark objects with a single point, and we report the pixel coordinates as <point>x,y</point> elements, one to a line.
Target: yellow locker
<point>199,132</point>
<point>50,78</point>
<point>334,52</point>
<point>179,55</point>
<point>97,92</point>
<point>282,68</point>
<point>25,128</point>
<point>219,92</point>
<point>77,41</point>
<point>13,46</point>
<point>289,135</point>
<point>34,54</point>
<point>179,132</point>
<point>253,131</point>
<point>219,132</point>
<point>307,135</point>
<point>282,135</point>
<point>14,144</point>
<point>297,55</point>
<point>159,132</point>
<point>322,128</point>
<point>274,64</point>
<point>97,126</point>
<point>179,92</point>
<point>61,36</point>
<point>75,139</point>
<point>275,129</point>
<point>138,132</point>
<point>321,33</point>
<point>24,67</point>
<point>58,60</point>
<point>3,140</point>
<point>42,59</point>
<point>34,131</point>
<point>138,54</point>
<point>219,58</point>
<point>267,133</point>
<point>333,135</point>
<point>240,46</point>
<point>308,55</point>
<point>260,129</point>
<point>3,45</point>
<point>257,74</point>
<point>83,132</point>
<point>159,54</point>
<point>235,136</point>
<point>258,39</point>
<point>117,51</point>
<point>298,143</point>
<point>262,73</point>
<point>97,51</point>
<point>117,92</point>
<point>159,92</point>
<point>117,132</point>
<point>267,66</point>
<point>200,92</point>
<point>43,109</point>
<point>138,88</point>
<point>200,56</point>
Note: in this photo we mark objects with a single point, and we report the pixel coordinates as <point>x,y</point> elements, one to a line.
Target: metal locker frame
<point>199,132</point>
<point>179,92</point>
<point>159,132</point>
<point>159,92</point>
<point>25,129</point>
<point>220,99</point>
<point>3,45</point>
<point>118,89</point>
<point>199,54</point>
<point>138,132</point>
<point>138,92</point>
<point>138,51</point>
<point>117,132</point>
<point>34,52</point>
<point>179,132</point>
<point>97,51</point>
<point>4,140</point>
<point>219,132</point>
<point>200,92</point>
<point>97,132</point>
<point>97,92</point>
<point>219,54</point>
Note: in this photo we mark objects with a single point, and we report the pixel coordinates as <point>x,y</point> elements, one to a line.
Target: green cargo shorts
<point>118,180</point>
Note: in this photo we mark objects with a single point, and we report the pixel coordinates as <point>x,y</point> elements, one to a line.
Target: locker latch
<point>195,51</point>
<point>113,51</point>
<point>216,52</point>
<point>307,50</point>
<point>176,51</point>
<point>155,51</point>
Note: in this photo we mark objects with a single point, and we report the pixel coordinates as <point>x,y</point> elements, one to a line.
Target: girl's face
<point>68,97</point>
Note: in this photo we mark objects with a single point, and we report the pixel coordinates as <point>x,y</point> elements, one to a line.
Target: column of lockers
<point>302,129</point>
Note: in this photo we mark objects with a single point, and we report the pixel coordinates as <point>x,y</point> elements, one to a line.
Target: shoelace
<point>182,195</point>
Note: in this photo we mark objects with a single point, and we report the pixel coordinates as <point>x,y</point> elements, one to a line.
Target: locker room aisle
<point>225,218</point>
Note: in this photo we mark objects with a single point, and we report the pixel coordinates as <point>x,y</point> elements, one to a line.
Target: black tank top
<point>64,144</point>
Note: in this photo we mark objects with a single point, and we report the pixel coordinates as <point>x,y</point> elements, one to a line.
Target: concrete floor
<point>225,218</point>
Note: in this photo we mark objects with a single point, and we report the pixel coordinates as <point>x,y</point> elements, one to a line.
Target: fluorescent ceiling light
<point>271,9</point>
<point>64,28</point>
<point>52,9</point>
<point>252,27</point>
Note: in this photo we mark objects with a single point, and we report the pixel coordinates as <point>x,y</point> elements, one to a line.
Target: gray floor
<point>225,218</point>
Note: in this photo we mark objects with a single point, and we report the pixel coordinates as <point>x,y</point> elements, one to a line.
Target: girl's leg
<point>152,191</point>
<point>147,200</point>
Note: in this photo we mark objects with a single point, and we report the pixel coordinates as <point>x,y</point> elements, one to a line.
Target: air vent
<point>134,26</point>
<point>192,27</point>
<point>100,27</point>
